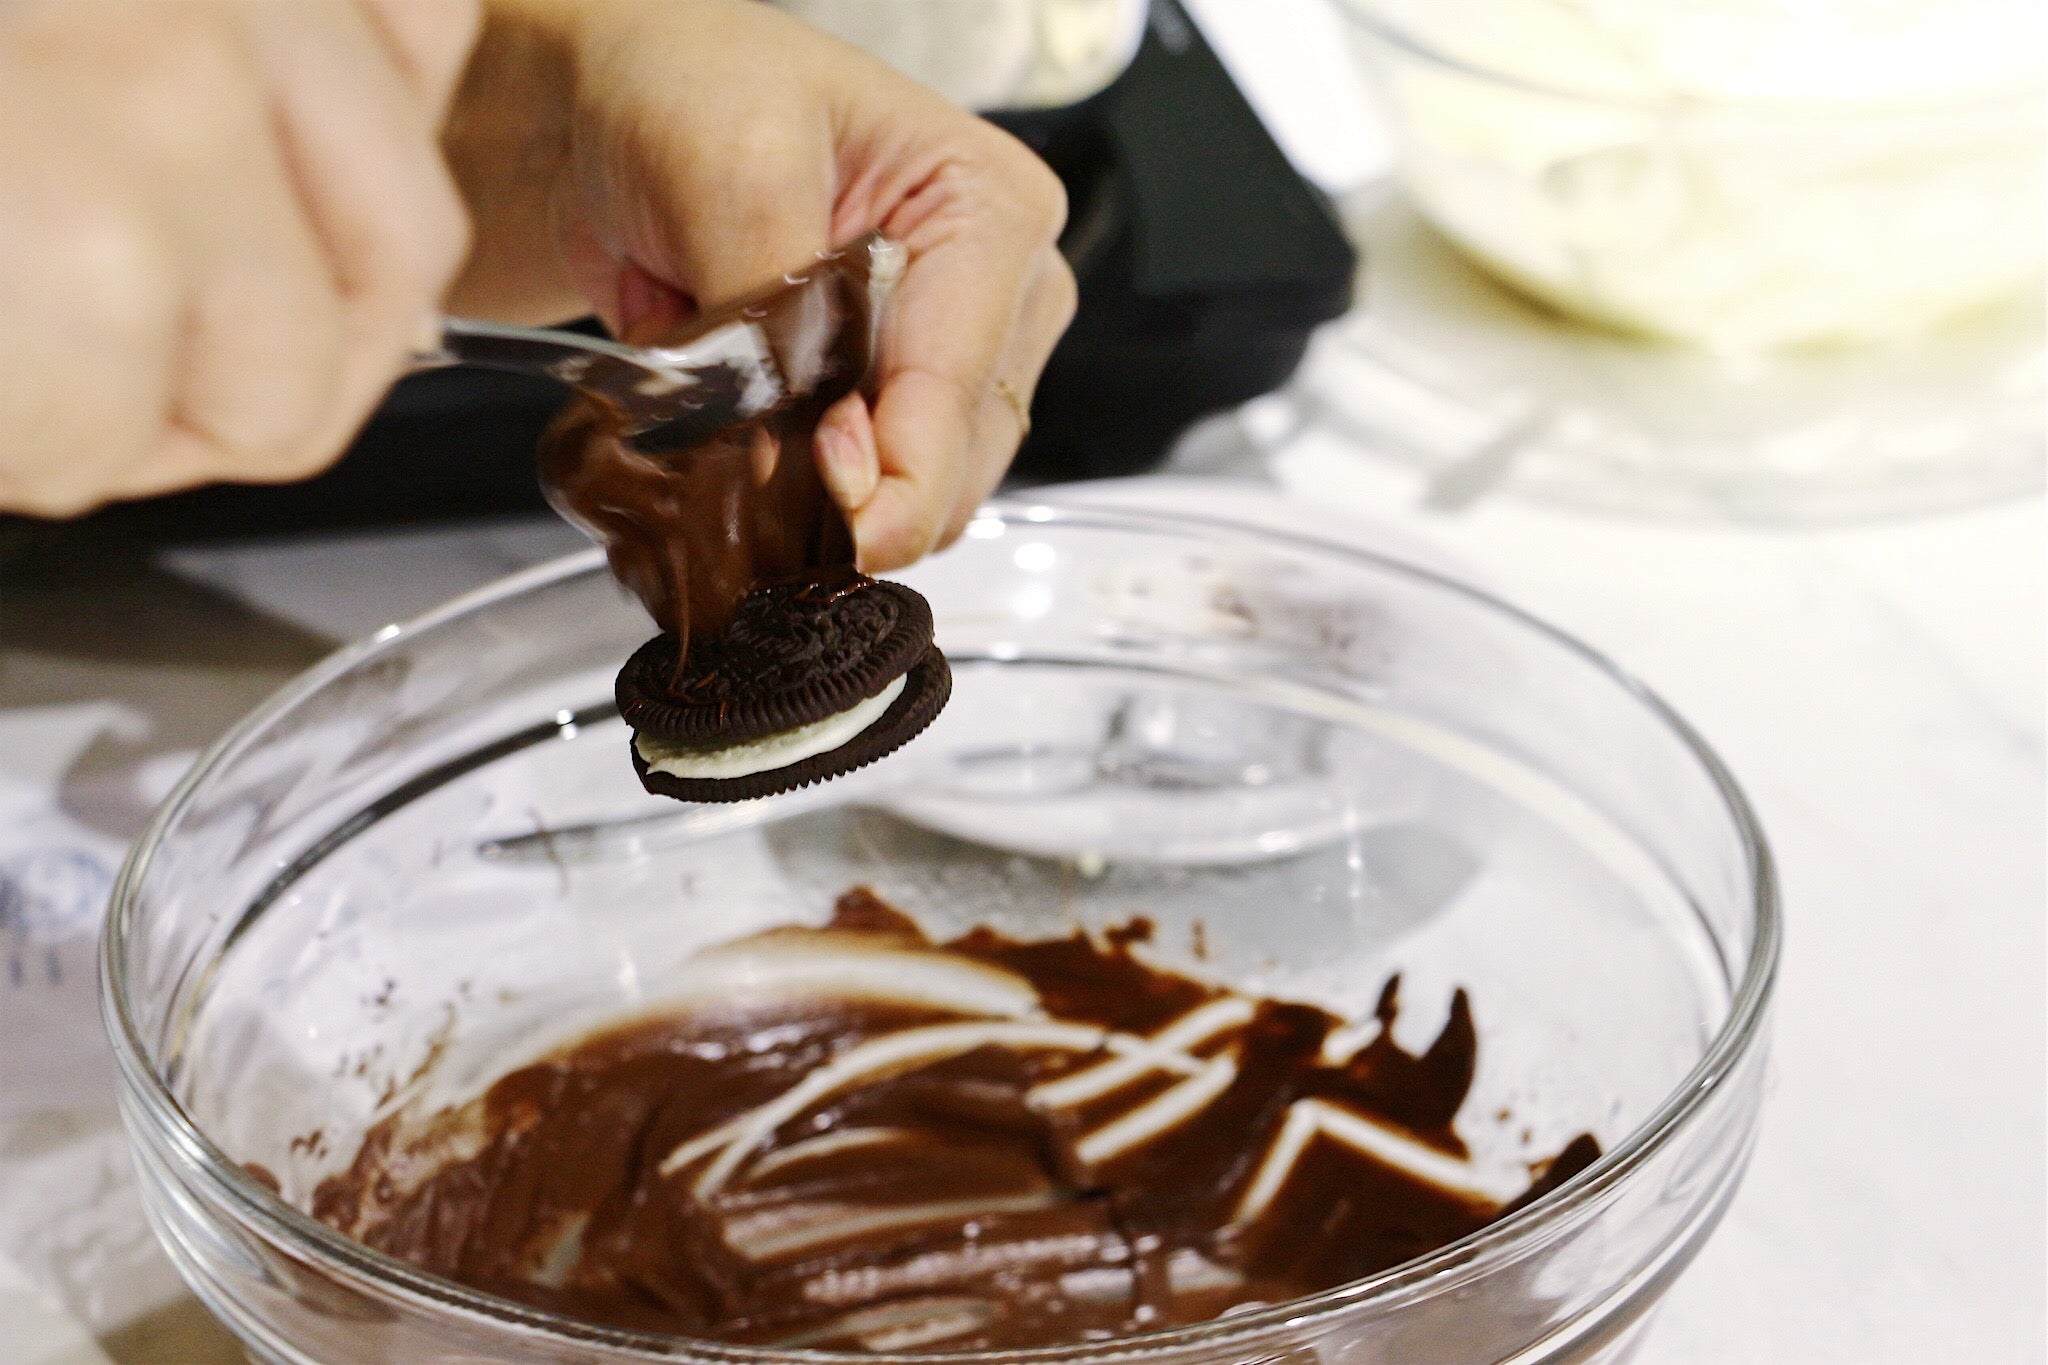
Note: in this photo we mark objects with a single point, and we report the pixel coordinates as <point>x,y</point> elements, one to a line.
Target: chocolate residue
<point>975,1177</point>
<point>692,530</point>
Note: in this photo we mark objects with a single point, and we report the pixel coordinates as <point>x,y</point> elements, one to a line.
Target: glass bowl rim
<point>1368,15</point>
<point>329,1251</point>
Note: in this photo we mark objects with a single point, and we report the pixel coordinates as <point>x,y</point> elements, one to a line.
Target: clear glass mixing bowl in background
<point>1765,262</point>
<point>1738,177</point>
<point>428,861</point>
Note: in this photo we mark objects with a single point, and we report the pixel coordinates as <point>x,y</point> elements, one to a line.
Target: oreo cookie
<point>810,680</point>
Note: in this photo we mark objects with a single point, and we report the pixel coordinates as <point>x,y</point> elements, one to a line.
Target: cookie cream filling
<point>778,750</point>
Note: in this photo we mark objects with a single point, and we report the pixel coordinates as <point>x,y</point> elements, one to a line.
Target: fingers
<point>431,41</point>
<point>87,304</point>
<point>233,334</point>
<point>1004,419</point>
<point>881,509</point>
<point>847,459</point>
<point>362,155</point>
<point>262,353</point>
<point>696,150</point>
<point>667,236</point>
<point>764,212</point>
<point>694,177</point>
<point>984,298</point>
<point>221,225</point>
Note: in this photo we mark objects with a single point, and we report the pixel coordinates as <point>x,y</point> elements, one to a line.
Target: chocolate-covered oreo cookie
<point>810,680</point>
<point>795,653</point>
<point>924,693</point>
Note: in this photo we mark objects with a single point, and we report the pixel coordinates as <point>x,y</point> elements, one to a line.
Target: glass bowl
<point>1739,179</point>
<point>427,861</point>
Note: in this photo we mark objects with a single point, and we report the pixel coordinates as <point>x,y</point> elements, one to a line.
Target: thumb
<point>763,210</point>
<point>649,250</point>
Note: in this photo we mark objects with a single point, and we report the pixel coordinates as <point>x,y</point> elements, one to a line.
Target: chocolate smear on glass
<point>884,1143</point>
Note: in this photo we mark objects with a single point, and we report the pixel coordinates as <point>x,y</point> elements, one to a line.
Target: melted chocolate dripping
<point>693,521</point>
<point>935,1205</point>
<point>1423,1093</point>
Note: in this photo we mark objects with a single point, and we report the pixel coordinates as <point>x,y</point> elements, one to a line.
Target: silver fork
<point>671,396</point>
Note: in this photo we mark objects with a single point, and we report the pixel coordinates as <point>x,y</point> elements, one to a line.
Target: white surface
<point>349,586</point>
<point>1878,692</point>
<point>37,1331</point>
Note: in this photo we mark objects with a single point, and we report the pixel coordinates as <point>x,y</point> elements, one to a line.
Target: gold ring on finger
<point>1009,395</point>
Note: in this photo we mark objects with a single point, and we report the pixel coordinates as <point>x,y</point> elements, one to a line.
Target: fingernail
<point>850,470</point>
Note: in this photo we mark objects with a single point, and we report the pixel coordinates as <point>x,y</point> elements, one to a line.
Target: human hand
<point>649,157</point>
<point>223,226</point>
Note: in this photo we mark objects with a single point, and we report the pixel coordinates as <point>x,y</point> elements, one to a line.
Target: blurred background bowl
<point>1738,178</point>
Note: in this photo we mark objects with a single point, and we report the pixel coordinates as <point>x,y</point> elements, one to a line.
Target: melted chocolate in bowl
<point>980,1144</point>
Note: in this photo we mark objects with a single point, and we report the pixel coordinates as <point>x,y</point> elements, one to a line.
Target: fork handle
<point>551,354</point>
